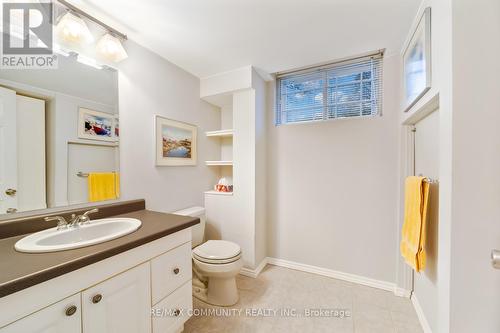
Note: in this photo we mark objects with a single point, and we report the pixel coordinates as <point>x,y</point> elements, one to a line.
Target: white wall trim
<point>420,314</point>
<point>405,273</point>
<point>419,113</point>
<point>401,292</point>
<point>254,273</point>
<point>384,285</point>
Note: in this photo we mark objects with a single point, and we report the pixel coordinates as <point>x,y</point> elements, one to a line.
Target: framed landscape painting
<point>175,142</point>
<point>95,125</point>
<point>417,62</point>
<point>117,127</point>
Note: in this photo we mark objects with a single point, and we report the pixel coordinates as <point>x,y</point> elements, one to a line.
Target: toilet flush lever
<point>495,259</point>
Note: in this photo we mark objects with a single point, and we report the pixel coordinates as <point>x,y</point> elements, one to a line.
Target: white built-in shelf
<point>219,163</point>
<point>219,193</point>
<point>94,143</point>
<point>221,133</point>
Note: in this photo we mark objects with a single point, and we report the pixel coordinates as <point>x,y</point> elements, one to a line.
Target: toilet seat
<point>217,252</point>
<point>217,261</point>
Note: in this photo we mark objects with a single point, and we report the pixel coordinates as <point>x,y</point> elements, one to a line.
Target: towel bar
<point>83,174</point>
<point>429,180</point>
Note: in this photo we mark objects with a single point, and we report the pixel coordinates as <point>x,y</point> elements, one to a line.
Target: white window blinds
<point>351,88</point>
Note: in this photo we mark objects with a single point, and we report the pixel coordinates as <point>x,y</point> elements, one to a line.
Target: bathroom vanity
<point>140,282</point>
<point>61,157</point>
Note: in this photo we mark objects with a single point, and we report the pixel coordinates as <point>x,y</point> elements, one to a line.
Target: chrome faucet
<point>61,221</point>
<point>75,221</point>
<point>84,218</point>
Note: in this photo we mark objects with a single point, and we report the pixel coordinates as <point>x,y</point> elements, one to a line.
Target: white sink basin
<point>97,231</point>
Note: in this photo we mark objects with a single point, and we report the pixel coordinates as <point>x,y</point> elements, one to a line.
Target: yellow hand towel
<point>414,227</point>
<point>117,184</point>
<point>103,186</point>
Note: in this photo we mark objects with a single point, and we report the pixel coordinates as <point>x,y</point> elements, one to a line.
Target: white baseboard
<point>384,285</point>
<point>420,314</point>
<point>254,273</point>
<point>401,292</point>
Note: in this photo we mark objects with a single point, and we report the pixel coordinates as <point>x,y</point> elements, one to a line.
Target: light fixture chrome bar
<point>93,19</point>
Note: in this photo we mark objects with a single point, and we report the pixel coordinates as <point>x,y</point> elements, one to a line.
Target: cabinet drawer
<point>170,271</point>
<point>173,311</point>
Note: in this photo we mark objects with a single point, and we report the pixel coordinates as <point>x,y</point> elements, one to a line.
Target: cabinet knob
<point>10,192</point>
<point>176,270</point>
<point>71,310</point>
<point>97,298</point>
<point>495,259</point>
<point>177,312</point>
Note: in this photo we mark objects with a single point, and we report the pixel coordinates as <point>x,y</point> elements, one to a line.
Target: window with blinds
<point>347,89</point>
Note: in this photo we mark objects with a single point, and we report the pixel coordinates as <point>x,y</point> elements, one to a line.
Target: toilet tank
<point>197,231</point>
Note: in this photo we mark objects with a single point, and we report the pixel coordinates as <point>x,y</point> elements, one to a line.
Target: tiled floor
<point>276,288</point>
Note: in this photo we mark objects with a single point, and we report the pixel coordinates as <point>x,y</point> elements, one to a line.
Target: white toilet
<point>215,264</point>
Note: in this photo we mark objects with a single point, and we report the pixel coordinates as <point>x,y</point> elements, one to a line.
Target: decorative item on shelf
<point>95,125</point>
<point>417,62</point>
<point>225,184</point>
<point>175,142</point>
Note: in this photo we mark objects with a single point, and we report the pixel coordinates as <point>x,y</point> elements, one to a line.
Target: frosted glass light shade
<point>110,48</point>
<point>73,29</point>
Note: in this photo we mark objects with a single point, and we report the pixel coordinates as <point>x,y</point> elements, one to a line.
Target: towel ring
<point>429,180</point>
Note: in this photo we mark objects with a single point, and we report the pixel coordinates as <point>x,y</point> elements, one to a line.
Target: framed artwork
<point>417,62</point>
<point>116,129</point>
<point>175,142</point>
<point>95,125</point>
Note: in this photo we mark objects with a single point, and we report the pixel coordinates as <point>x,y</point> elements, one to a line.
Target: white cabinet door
<point>172,312</point>
<point>62,317</point>
<point>31,189</point>
<point>8,151</point>
<point>119,305</point>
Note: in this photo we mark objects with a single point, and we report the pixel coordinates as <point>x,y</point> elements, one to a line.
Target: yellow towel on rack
<point>103,186</point>
<point>414,227</point>
<point>117,184</point>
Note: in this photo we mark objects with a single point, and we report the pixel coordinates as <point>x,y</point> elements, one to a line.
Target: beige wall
<point>475,285</point>
<point>261,146</point>
<point>333,188</point>
<point>433,293</point>
<point>149,86</point>
<point>427,164</point>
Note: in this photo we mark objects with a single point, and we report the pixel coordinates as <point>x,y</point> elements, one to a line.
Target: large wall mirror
<point>59,136</point>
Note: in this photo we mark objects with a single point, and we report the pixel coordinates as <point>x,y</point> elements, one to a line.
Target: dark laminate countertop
<point>22,270</point>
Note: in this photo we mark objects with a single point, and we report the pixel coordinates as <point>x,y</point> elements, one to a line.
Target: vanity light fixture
<point>73,29</point>
<point>110,48</point>
<point>60,50</point>
<point>88,61</point>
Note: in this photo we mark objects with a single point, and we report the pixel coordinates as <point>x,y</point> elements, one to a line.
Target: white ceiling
<point>206,37</point>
